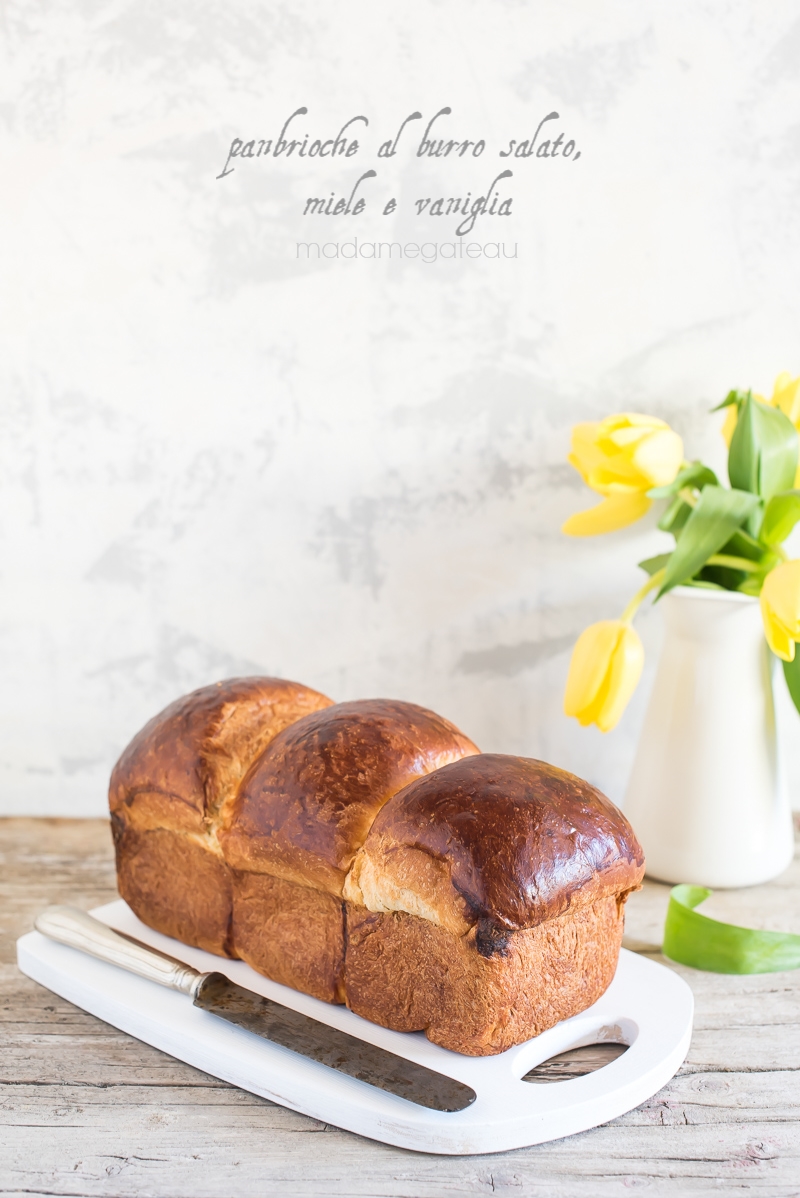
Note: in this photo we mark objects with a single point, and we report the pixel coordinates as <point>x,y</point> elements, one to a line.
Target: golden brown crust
<point>177,772</point>
<point>170,790</point>
<point>290,934</point>
<point>409,974</point>
<point>308,803</point>
<point>175,885</point>
<point>506,839</point>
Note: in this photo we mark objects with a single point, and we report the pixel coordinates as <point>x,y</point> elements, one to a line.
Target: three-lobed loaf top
<point>367,853</point>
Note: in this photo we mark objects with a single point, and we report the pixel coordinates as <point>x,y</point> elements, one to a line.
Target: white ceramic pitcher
<point>706,795</point>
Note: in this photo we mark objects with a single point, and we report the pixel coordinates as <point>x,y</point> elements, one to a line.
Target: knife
<point>215,993</point>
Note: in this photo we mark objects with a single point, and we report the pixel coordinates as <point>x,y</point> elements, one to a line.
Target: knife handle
<point>71,926</point>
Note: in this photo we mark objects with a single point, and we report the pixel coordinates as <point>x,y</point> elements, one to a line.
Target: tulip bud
<point>604,671</point>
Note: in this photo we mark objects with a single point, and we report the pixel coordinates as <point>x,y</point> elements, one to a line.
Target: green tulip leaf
<point>651,565</point>
<point>733,397</point>
<point>751,585</point>
<point>694,939</point>
<point>742,544</point>
<point>743,450</point>
<point>694,475</point>
<point>780,516</point>
<point>764,450</point>
<point>725,577</point>
<point>676,515</point>
<point>791,672</point>
<point>704,584</point>
<point>717,515</point>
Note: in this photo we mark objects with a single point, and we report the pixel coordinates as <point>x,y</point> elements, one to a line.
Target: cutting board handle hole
<point>576,1062</point>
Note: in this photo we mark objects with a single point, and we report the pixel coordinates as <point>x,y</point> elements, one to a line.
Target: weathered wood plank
<point>86,1110</point>
<point>166,1157</point>
<point>697,1098</point>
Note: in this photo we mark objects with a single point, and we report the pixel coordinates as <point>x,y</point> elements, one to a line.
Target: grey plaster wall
<point>219,458</point>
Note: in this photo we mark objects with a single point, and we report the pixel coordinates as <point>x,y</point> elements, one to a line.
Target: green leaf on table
<point>694,475</point>
<point>764,450</point>
<point>780,516</point>
<point>717,515</point>
<point>791,672</point>
<point>694,939</point>
<point>651,565</point>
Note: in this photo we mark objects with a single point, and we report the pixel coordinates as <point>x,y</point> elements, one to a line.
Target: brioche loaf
<point>367,853</point>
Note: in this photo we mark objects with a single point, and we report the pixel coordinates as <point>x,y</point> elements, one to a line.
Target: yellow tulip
<point>603,674</point>
<point>780,609</point>
<point>621,458</point>
<point>785,395</point>
<point>731,418</point>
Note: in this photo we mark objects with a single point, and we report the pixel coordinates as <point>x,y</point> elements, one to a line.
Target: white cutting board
<point>647,1006</point>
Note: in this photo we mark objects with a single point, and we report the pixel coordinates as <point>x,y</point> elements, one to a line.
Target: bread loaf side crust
<point>290,933</point>
<point>175,885</point>
<point>479,993</point>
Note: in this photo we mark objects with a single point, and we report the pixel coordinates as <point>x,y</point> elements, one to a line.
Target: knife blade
<point>218,995</point>
<point>331,1046</point>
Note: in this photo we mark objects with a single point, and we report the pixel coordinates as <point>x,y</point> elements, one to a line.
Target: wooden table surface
<point>86,1110</point>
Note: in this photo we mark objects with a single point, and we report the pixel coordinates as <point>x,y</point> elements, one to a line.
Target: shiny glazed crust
<point>307,804</point>
<point>367,852</point>
<point>177,772</point>
<point>506,840</point>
